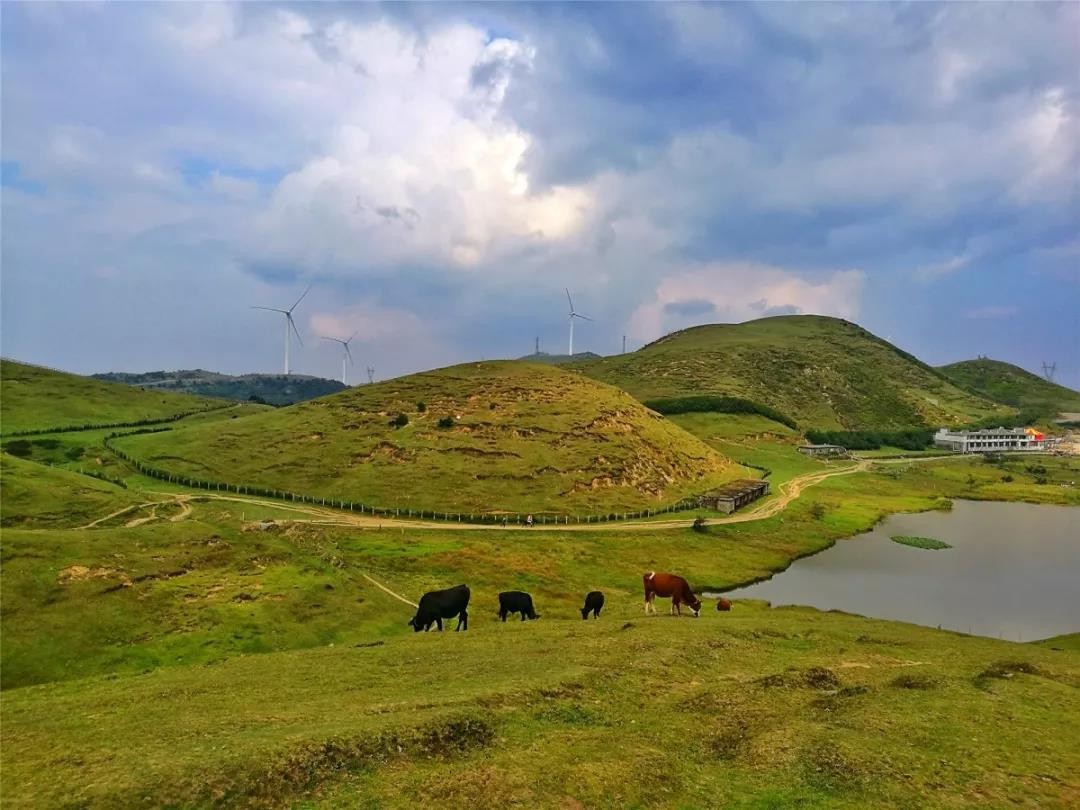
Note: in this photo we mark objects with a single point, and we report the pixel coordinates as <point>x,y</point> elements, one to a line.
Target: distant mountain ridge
<point>559,359</point>
<point>1011,385</point>
<point>272,389</point>
<point>821,372</point>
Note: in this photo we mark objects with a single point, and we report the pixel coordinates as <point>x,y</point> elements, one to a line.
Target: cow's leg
<point>649,604</point>
<point>523,615</point>
<point>502,615</point>
<point>438,621</point>
<point>463,621</point>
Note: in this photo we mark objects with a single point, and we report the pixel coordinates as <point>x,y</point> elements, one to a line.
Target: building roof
<point>733,489</point>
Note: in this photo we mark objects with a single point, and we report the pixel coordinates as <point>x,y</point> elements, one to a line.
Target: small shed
<point>823,450</point>
<point>734,495</point>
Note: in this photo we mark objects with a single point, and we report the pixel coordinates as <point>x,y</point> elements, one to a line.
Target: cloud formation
<point>449,169</point>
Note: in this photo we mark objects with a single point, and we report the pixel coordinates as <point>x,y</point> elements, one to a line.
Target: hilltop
<point>479,437</point>
<point>820,372</point>
<point>1012,385</point>
<point>271,389</point>
<point>38,399</point>
<point>559,359</point>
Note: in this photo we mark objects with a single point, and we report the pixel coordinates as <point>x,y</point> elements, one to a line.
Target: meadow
<point>163,646</point>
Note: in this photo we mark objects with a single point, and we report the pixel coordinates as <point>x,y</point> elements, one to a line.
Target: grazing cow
<point>677,588</point>
<point>723,604</point>
<point>516,602</point>
<point>594,600</point>
<point>445,604</point>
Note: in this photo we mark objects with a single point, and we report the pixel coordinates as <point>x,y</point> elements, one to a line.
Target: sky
<point>440,173</point>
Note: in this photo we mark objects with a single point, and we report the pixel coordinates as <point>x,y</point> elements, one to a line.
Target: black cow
<point>516,602</point>
<point>445,604</point>
<point>594,600</point>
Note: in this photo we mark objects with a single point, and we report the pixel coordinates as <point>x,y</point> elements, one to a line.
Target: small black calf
<point>594,600</point>
<point>516,602</point>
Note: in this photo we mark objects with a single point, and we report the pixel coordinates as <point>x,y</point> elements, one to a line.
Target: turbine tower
<point>345,355</point>
<point>289,324</point>
<point>573,315</point>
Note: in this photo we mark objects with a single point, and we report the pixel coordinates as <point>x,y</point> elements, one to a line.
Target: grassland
<point>45,496</point>
<point>36,399</point>
<point>821,372</point>
<point>1012,385</point>
<point>513,437</point>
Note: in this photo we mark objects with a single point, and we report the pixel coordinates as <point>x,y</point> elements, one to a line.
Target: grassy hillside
<point>197,660</point>
<point>483,437</point>
<point>821,372</point>
<point>36,398</point>
<point>35,495</point>
<point>272,389</point>
<point>1012,385</point>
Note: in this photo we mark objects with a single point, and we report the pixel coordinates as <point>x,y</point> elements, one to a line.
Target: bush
<point>700,526</point>
<point>19,447</point>
<point>446,422</point>
<point>1007,479</point>
<point>914,438</point>
<point>401,420</point>
<point>716,404</point>
<point>421,407</point>
<point>817,511</point>
<point>75,453</point>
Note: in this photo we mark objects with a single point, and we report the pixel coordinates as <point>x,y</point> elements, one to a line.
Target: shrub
<point>19,447</point>
<point>717,404</point>
<point>817,511</point>
<point>914,438</point>
<point>421,407</point>
<point>401,420</point>
<point>75,453</point>
<point>446,422</point>
<point>1007,479</point>
<point>700,525</point>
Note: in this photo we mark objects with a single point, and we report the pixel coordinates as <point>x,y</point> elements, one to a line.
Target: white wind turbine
<point>573,315</point>
<point>345,355</point>
<point>289,324</point>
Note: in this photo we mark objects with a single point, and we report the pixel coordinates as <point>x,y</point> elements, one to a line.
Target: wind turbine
<point>573,315</point>
<point>289,324</point>
<point>345,355</point>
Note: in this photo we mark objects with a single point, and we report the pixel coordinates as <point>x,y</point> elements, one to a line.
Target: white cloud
<point>732,292</point>
<point>948,267</point>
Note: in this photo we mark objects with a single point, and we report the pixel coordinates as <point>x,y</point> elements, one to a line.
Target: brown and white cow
<point>658,584</point>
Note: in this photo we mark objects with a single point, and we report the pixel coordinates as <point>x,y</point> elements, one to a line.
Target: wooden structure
<point>734,495</point>
<point>822,450</point>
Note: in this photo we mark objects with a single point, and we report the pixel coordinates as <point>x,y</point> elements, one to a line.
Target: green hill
<point>33,398</point>
<point>35,495</point>
<point>474,438</point>
<point>272,389</point>
<point>1012,385</point>
<point>821,372</point>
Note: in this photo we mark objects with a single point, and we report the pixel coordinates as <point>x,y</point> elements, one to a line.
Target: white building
<point>991,440</point>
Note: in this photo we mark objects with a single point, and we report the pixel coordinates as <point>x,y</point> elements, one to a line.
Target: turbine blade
<point>583,317</point>
<point>571,300</point>
<point>301,298</point>
<point>270,309</point>
<point>348,353</point>
<point>292,323</point>
<point>354,334</point>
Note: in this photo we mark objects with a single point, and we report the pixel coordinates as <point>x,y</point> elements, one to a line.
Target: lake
<point>1013,572</point>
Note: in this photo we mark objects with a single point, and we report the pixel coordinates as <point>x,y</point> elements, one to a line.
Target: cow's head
<point>695,605</point>
<point>415,623</point>
<point>584,613</point>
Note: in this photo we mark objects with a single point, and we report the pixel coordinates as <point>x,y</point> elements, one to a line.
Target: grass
<point>35,398</point>
<point>1012,385</point>
<point>525,438</point>
<point>36,495</point>
<point>928,543</point>
<point>823,372</point>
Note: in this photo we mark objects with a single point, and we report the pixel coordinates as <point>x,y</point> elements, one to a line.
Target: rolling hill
<point>271,389</point>
<point>1012,385</point>
<point>821,372</point>
<point>38,399</point>
<point>479,437</point>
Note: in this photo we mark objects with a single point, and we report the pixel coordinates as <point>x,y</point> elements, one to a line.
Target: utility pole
<point>1048,371</point>
<point>624,344</point>
<point>537,351</point>
<point>370,374</point>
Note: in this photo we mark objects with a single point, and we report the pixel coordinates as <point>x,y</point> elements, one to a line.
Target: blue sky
<point>439,173</point>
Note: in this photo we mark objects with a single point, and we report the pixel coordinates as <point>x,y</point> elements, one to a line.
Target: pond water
<point>1013,572</point>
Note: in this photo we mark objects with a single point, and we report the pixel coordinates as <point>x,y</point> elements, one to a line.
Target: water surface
<point>1013,572</point>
